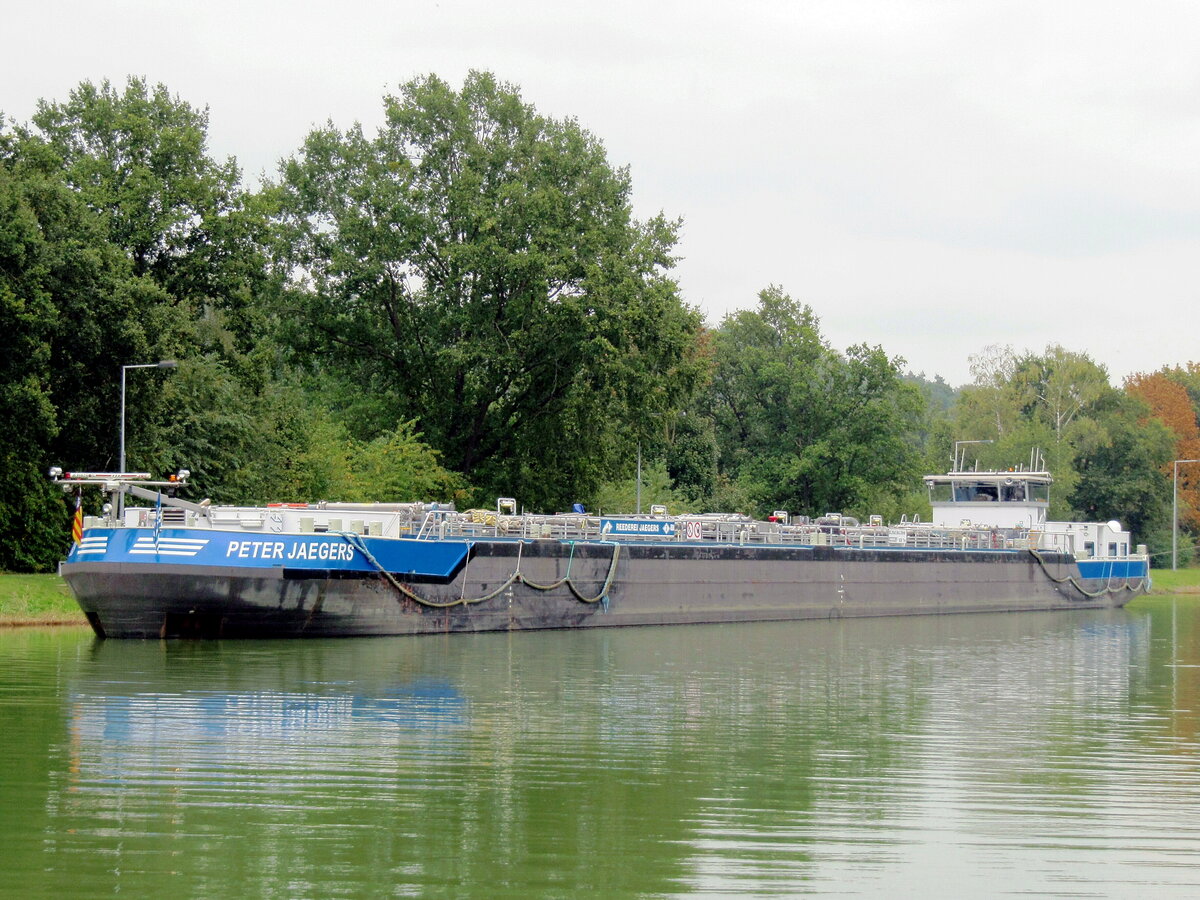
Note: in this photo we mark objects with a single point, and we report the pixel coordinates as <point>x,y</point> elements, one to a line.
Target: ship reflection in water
<point>983,754</point>
<point>428,709</point>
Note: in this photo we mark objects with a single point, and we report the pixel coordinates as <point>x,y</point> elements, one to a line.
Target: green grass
<point>1180,581</point>
<point>37,600</point>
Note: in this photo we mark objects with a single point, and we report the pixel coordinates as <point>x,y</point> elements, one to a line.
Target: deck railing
<point>425,523</point>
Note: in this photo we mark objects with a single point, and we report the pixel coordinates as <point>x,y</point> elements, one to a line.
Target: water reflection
<point>1005,753</point>
<point>426,708</point>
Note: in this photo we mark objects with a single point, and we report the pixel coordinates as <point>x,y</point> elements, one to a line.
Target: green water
<point>991,755</point>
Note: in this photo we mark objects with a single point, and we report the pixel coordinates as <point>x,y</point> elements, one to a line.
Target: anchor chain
<point>356,541</point>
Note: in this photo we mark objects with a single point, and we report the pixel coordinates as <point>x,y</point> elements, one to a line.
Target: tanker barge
<point>175,568</point>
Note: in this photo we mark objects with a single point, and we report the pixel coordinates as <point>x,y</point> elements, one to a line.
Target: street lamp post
<point>163,364</point>
<point>958,444</point>
<point>639,479</point>
<point>1175,512</point>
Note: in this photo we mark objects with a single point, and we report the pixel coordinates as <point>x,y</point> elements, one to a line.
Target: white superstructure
<point>1020,499</point>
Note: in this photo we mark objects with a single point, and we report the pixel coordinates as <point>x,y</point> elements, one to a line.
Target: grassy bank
<point>1181,581</point>
<point>37,600</point>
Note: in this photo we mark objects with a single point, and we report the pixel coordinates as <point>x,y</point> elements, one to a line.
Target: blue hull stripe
<point>1113,568</point>
<point>327,552</point>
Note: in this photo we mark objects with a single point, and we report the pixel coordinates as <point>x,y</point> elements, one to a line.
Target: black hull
<point>521,586</point>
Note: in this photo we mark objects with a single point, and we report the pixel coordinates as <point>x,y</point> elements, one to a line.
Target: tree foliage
<point>138,157</point>
<point>1121,476</point>
<point>1063,386</point>
<point>477,268</point>
<point>1170,403</point>
<point>993,403</point>
<point>1106,448</point>
<point>29,511</point>
<point>802,426</point>
<point>121,242</point>
<point>460,305</point>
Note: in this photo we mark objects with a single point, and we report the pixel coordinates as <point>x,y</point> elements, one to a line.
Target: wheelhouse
<point>1001,499</point>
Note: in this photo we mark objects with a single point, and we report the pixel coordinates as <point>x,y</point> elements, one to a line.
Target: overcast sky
<point>932,176</point>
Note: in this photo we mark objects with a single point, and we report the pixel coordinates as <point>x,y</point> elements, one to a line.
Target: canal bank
<point>37,600</point>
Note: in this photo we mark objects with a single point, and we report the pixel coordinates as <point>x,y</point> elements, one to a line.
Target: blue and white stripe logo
<point>152,545</point>
<point>93,545</point>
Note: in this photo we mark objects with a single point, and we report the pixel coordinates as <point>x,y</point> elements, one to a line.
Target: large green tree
<point>139,157</point>
<point>475,268</point>
<point>162,256</point>
<point>1053,401</point>
<point>31,520</point>
<point>102,314</point>
<point>804,427</point>
<point>1120,471</point>
<point>82,294</point>
<point>76,306</point>
<point>158,255</point>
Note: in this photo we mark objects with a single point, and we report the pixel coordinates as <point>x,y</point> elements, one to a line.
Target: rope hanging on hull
<point>1139,584</point>
<point>356,541</point>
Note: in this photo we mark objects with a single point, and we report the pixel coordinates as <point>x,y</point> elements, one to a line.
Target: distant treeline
<point>459,306</point>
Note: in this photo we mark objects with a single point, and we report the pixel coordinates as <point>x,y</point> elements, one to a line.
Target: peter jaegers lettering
<point>324,551</point>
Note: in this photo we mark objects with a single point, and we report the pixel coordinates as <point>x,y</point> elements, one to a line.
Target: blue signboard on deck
<point>636,528</point>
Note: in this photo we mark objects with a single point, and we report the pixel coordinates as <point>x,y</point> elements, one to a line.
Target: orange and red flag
<point>77,519</point>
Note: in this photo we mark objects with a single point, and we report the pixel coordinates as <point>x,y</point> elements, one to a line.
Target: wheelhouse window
<point>1004,490</point>
<point>976,492</point>
<point>1013,492</point>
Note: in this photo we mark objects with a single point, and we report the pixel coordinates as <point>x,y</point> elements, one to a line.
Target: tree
<point>138,157</point>
<point>993,403</point>
<point>398,466</point>
<point>1063,385</point>
<point>141,249</point>
<point>81,311</point>
<point>1121,475</point>
<point>173,235</point>
<point>657,487</point>
<point>1187,375</point>
<point>31,520</point>
<point>1055,401</point>
<point>475,269</point>
<point>1170,404</point>
<point>802,426</point>
<point>693,457</point>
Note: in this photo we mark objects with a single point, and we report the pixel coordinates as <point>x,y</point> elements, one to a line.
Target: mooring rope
<point>1107,589</point>
<point>356,541</point>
